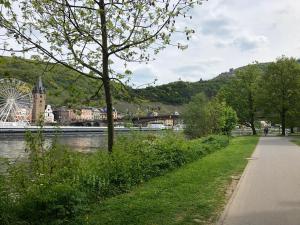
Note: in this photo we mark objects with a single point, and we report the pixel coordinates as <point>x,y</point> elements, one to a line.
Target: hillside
<point>66,87</point>
<point>181,92</point>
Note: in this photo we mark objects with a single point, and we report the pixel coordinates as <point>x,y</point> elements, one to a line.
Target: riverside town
<point>149,112</point>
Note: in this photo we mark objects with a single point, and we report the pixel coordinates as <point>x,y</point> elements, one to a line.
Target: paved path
<point>269,190</point>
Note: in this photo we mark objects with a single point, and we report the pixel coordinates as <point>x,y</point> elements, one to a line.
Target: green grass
<point>193,194</point>
<point>296,140</point>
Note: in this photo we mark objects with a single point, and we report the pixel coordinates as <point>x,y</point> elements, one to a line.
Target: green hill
<point>180,92</point>
<point>66,87</point>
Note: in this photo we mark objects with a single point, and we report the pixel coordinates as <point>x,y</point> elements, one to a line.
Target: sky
<point>229,34</point>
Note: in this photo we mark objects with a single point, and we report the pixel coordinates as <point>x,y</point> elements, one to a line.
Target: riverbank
<point>57,186</point>
<point>194,194</point>
<point>68,129</point>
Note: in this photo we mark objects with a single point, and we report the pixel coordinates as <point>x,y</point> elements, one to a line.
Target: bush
<point>203,117</point>
<point>137,159</point>
<point>56,184</point>
<point>53,204</point>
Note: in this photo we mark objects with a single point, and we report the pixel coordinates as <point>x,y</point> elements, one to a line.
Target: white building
<point>48,115</point>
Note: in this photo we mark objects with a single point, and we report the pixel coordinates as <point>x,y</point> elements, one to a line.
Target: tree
<point>293,118</point>
<point>195,117</point>
<point>280,88</point>
<point>230,119</point>
<point>203,117</point>
<point>88,36</point>
<point>221,117</point>
<point>242,94</point>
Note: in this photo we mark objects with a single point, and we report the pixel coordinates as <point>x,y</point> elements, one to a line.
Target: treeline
<point>66,87</point>
<point>270,93</point>
<point>181,92</point>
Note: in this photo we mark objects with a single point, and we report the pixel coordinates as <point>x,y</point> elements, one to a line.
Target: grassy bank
<point>193,194</point>
<point>56,185</point>
<point>296,140</point>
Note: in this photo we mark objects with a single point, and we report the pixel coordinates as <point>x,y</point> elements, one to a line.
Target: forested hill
<point>180,92</point>
<point>66,87</point>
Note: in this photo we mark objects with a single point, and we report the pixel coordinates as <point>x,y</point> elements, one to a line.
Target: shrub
<point>59,184</point>
<point>53,204</point>
<point>137,159</point>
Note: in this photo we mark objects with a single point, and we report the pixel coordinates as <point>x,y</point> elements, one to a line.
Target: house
<point>103,114</point>
<point>48,115</point>
<point>86,114</point>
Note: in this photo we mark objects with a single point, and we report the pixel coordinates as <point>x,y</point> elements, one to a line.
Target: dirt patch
<point>232,186</point>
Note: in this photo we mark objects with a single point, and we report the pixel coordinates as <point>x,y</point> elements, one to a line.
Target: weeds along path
<point>193,194</point>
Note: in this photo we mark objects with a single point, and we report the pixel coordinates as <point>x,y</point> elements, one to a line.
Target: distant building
<point>103,114</point>
<point>86,114</point>
<point>60,115</point>
<point>97,114</point>
<point>168,121</point>
<point>39,101</point>
<point>152,113</point>
<point>48,115</point>
<point>65,115</point>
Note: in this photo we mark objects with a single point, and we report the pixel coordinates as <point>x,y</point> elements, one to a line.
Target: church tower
<point>39,101</point>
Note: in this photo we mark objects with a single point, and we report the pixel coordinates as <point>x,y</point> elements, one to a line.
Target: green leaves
<point>203,117</point>
<point>5,3</point>
<point>242,93</point>
<point>280,88</point>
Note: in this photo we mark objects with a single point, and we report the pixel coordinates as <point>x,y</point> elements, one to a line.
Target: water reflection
<point>13,146</point>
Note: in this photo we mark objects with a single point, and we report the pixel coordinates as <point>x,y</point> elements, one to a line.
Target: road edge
<point>224,214</point>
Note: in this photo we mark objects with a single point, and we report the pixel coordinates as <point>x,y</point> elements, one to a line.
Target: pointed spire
<point>39,87</point>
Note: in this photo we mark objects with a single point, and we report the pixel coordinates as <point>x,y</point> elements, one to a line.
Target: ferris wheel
<point>15,101</point>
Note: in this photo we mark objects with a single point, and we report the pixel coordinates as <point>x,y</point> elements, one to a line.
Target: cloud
<point>142,76</point>
<point>248,43</point>
<point>220,26</point>
<point>196,70</point>
<point>189,71</point>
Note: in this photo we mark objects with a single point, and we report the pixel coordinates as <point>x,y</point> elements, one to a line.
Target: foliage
<point>181,92</point>
<point>195,117</point>
<point>242,92</point>
<point>193,194</point>
<point>57,185</point>
<point>63,86</point>
<point>296,141</point>
<point>230,119</point>
<point>88,36</point>
<point>280,88</point>
<point>203,117</point>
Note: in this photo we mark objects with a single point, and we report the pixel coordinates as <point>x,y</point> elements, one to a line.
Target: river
<point>12,146</point>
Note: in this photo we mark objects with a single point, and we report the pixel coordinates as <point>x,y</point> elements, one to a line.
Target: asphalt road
<point>269,190</point>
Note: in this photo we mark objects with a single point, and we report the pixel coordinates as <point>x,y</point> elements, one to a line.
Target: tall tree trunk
<point>252,111</point>
<point>283,122</point>
<point>252,124</point>
<point>110,119</point>
<point>106,79</point>
<point>292,130</point>
<point>253,128</point>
